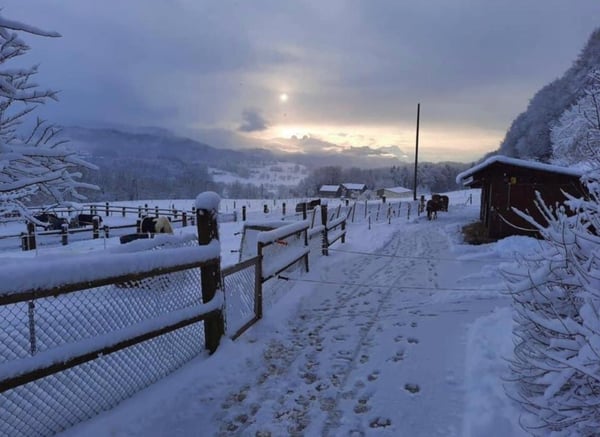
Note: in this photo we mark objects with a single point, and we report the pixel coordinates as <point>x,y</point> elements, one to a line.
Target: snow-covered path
<point>366,344</point>
<point>371,348</point>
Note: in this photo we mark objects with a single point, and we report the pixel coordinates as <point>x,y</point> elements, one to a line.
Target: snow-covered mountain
<point>529,134</point>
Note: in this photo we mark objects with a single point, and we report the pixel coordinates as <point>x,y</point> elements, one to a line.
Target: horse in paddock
<point>156,225</point>
<point>432,207</point>
<point>87,219</point>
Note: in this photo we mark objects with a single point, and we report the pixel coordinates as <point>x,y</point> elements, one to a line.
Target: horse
<point>432,207</point>
<point>155,225</point>
<point>87,219</point>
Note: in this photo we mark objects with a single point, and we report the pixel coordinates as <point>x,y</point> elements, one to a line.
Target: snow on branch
<point>36,162</point>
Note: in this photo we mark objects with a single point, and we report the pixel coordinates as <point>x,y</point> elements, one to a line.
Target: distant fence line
<point>357,211</point>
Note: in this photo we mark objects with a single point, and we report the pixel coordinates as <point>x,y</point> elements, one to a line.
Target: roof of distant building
<point>332,188</point>
<point>399,190</point>
<point>349,186</point>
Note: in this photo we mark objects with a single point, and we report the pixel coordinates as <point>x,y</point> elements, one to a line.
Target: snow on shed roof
<point>398,190</point>
<point>463,178</point>
<point>350,186</point>
<point>332,188</point>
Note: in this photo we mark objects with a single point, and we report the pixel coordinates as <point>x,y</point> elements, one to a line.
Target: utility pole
<point>416,152</point>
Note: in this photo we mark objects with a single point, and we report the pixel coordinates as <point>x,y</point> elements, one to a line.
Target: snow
<point>329,188</point>
<point>354,186</point>
<point>403,330</point>
<point>208,200</point>
<point>399,190</point>
<point>46,272</point>
<point>462,178</point>
<point>282,231</point>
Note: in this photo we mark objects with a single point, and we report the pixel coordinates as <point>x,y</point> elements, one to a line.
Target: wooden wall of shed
<point>515,187</point>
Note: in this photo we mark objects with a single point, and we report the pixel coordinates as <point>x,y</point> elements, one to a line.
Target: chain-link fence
<point>48,340</point>
<point>242,286</point>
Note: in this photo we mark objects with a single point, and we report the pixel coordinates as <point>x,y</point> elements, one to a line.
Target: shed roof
<point>463,178</point>
<point>399,190</point>
<point>351,186</point>
<point>329,188</point>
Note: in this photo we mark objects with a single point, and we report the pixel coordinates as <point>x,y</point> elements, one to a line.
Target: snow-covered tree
<point>576,137</point>
<point>556,297</point>
<point>32,161</point>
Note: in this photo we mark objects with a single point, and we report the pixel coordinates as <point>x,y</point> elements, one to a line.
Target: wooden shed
<point>353,190</point>
<point>330,191</point>
<point>508,183</point>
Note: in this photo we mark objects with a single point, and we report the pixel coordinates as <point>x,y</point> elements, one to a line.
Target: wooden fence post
<point>193,217</point>
<point>366,208</point>
<point>344,231</point>
<point>258,297</point>
<point>325,249</point>
<point>183,219</point>
<point>244,213</point>
<point>408,212</point>
<point>32,336</point>
<point>156,211</point>
<point>283,209</point>
<point>64,235</point>
<point>96,227</point>
<point>146,208</point>
<point>210,274</point>
<point>107,209</point>
<point>139,211</point>
<point>304,211</point>
<point>28,239</point>
<point>123,212</point>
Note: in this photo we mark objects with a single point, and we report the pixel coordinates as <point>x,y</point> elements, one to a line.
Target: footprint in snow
<point>380,422</point>
<point>413,340</point>
<point>412,388</point>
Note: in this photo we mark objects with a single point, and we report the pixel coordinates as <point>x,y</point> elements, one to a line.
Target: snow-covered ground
<point>271,176</point>
<point>403,330</point>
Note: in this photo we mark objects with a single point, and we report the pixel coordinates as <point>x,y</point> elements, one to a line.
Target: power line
<point>356,252</point>
<point>410,287</point>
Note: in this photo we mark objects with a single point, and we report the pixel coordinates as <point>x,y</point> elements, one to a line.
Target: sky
<point>306,75</point>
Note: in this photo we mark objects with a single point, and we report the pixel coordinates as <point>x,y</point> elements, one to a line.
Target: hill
<point>529,133</point>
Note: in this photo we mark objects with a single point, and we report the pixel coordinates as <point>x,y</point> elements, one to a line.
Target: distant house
<point>330,191</point>
<point>395,192</point>
<point>353,190</point>
<point>508,183</point>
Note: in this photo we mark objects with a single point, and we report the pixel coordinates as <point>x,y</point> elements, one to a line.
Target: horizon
<point>306,76</point>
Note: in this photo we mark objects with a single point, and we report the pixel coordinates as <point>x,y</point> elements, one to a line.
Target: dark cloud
<point>253,121</point>
<point>183,64</point>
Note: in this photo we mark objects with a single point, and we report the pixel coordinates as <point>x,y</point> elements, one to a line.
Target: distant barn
<point>331,191</point>
<point>353,190</point>
<point>508,183</point>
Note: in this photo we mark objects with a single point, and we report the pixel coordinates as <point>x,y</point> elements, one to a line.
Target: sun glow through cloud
<point>283,97</point>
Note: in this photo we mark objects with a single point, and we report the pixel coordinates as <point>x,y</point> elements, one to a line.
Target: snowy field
<point>403,330</point>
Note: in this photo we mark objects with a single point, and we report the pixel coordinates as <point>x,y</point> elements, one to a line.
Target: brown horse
<point>432,207</point>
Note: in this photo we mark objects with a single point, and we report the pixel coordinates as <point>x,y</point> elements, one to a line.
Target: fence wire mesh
<point>239,284</point>
<point>56,402</point>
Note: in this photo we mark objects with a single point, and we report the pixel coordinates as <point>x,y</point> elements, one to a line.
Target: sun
<point>283,97</point>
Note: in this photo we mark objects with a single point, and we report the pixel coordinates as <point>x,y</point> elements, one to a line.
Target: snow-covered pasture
<point>132,298</point>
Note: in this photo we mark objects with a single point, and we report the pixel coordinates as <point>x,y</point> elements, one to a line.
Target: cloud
<point>253,121</point>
